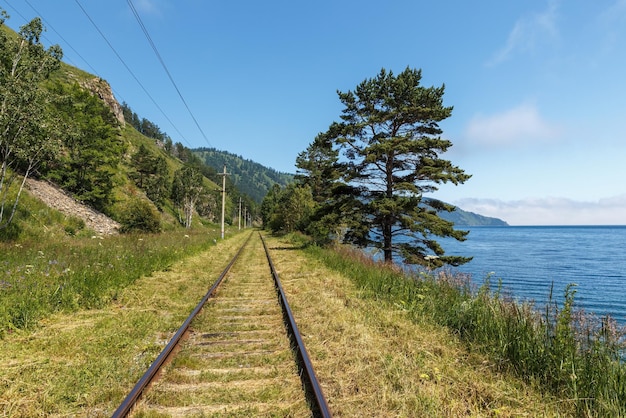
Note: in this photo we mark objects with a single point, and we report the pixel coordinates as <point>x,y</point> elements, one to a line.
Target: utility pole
<point>223,197</point>
<point>239,217</point>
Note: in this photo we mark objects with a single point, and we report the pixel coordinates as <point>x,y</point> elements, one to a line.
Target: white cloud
<point>551,210</point>
<point>528,33</point>
<point>147,6</point>
<point>520,125</point>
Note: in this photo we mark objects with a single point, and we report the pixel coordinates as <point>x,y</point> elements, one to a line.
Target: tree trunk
<point>387,242</point>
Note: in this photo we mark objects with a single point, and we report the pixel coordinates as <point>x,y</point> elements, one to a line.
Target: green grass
<point>566,352</point>
<point>84,362</point>
<point>67,274</point>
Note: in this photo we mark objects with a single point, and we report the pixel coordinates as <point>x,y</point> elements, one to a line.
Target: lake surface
<point>529,259</point>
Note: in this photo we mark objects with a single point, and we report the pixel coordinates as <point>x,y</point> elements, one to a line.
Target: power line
<point>49,25</point>
<point>60,36</point>
<point>156,51</point>
<point>118,56</point>
<point>130,71</point>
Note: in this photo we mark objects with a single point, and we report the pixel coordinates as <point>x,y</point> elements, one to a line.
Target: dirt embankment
<point>64,203</point>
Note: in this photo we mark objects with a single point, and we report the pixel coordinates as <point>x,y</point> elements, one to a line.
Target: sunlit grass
<point>375,358</point>
<point>84,362</point>
<point>39,278</point>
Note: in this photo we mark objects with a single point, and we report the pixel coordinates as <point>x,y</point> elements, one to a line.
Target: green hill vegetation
<point>63,125</point>
<point>250,177</point>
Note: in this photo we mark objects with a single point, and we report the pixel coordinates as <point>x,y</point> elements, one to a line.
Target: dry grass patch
<point>84,364</point>
<point>373,359</point>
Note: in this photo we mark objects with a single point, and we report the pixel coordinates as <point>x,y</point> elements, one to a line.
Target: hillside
<point>463,218</point>
<point>248,176</point>
<point>69,138</point>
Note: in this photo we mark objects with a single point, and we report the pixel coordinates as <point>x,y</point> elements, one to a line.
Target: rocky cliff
<point>102,89</point>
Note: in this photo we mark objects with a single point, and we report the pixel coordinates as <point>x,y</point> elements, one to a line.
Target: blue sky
<point>538,86</point>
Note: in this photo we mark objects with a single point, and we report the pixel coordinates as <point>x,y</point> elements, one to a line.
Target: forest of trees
<point>251,178</point>
<point>29,135</point>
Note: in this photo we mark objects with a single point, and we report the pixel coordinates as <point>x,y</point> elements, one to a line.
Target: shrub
<point>140,216</point>
<point>73,225</point>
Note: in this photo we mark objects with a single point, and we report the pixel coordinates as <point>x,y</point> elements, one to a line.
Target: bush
<point>73,225</point>
<point>140,216</point>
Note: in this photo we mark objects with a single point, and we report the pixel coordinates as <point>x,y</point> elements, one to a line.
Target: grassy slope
<point>35,221</point>
<point>126,189</point>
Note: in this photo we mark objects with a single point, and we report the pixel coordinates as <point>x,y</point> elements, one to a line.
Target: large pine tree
<point>390,145</point>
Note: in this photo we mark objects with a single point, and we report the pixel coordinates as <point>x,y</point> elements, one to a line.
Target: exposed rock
<point>102,89</point>
<point>56,198</point>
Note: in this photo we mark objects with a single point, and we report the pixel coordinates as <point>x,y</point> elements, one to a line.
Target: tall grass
<point>575,356</point>
<point>37,279</point>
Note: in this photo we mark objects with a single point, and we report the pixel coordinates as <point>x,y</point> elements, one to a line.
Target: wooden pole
<point>223,198</point>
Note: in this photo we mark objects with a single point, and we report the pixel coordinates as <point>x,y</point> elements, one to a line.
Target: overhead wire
<point>122,60</point>
<point>129,70</point>
<point>156,51</point>
<point>49,25</point>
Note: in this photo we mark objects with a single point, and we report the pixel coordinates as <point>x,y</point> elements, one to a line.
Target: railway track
<point>239,353</point>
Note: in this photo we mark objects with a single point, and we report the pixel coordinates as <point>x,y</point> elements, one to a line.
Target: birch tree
<point>26,133</point>
<point>187,189</point>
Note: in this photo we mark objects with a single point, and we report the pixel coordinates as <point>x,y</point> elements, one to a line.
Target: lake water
<point>529,259</point>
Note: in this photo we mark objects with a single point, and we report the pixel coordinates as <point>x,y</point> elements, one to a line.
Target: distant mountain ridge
<point>463,218</point>
<point>249,177</point>
<point>255,180</point>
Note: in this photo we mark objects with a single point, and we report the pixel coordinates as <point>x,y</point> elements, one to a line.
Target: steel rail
<point>125,407</point>
<point>312,387</point>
